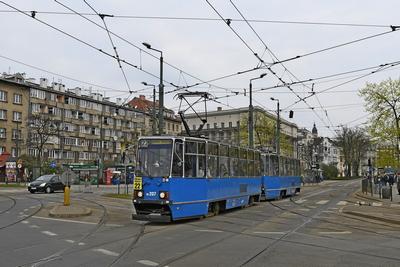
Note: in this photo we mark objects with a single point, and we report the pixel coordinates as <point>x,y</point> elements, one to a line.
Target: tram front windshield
<point>154,157</point>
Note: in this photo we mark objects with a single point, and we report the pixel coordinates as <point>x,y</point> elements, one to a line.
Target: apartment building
<point>79,126</point>
<point>230,126</point>
<point>172,123</point>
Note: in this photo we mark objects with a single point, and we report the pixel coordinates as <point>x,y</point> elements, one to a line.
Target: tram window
<point>223,161</point>
<point>243,171</point>
<point>212,160</point>
<point>274,165</point>
<point>257,164</point>
<point>262,164</point>
<point>177,163</point>
<point>234,161</point>
<point>250,163</point>
<point>190,159</point>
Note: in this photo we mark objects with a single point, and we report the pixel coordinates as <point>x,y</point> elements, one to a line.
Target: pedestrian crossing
<point>343,203</point>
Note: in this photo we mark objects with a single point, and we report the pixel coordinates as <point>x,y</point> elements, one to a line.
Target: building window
<point>17,116</point>
<point>2,149</point>
<point>35,108</point>
<point>14,152</point>
<point>17,99</point>
<point>208,126</point>
<point>3,114</point>
<point>16,134</point>
<point>215,125</point>
<point>230,124</point>
<point>222,125</point>
<point>3,96</point>
<point>3,133</point>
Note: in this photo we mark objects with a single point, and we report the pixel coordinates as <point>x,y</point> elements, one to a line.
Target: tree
<point>42,129</point>
<point>354,144</point>
<point>329,171</point>
<point>383,102</point>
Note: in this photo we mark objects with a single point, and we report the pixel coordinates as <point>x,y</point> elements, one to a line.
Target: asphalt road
<point>307,230</point>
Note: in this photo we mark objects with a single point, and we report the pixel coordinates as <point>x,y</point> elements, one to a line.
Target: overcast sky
<point>204,47</point>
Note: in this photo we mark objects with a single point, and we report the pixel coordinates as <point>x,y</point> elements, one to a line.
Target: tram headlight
<point>163,195</point>
<point>140,193</point>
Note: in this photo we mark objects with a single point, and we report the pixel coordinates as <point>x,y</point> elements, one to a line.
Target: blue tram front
<point>186,177</point>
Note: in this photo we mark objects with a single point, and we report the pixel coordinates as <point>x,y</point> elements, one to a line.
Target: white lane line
<point>322,202</point>
<point>270,233</point>
<point>342,203</point>
<point>25,222</point>
<point>81,244</point>
<point>376,204</point>
<point>72,221</point>
<point>148,263</point>
<point>26,209</point>
<point>49,233</point>
<point>106,252</point>
<point>209,231</point>
<point>328,211</point>
<point>335,233</point>
<point>69,241</point>
<point>34,226</point>
<point>300,201</point>
<point>303,209</point>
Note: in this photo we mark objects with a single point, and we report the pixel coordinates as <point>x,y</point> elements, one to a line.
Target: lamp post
<point>154,128</point>
<point>251,112</point>
<point>277,137</point>
<point>160,92</point>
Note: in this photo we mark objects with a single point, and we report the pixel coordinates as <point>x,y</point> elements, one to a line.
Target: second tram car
<point>187,177</point>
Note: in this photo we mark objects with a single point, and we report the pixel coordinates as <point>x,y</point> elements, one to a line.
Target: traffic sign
<point>53,164</point>
<point>19,165</point>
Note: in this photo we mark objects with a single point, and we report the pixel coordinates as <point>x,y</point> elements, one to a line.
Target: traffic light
<point>290,114</point>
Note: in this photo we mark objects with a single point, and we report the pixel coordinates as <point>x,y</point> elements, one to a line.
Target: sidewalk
<point>374,208</point>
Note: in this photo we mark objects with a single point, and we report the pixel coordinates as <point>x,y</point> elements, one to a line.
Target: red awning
<point>4,158</point>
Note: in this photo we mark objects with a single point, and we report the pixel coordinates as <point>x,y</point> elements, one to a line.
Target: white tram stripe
<point>148,263</point>
<point>342,203</point>
<point>322,202</point>
<point>106,252</point>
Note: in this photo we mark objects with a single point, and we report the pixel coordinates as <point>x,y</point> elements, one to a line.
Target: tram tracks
<point>14,202</point>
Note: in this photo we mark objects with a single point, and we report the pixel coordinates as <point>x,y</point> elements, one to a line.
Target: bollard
<point>66,196</point>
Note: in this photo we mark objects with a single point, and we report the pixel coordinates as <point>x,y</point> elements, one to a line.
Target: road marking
<point>300,201</point>
<point>25,222</point>
<point>342,203</point>
<point>34,226</point>
<point>72,221</point>
<point>26,209</point>
<point>69,241</point>
<point>376,204</point>
<point>49,233</point>
<point>335,233</point>
<point>303,209</point>
<point>32,207</point>
<point>328,211</point>
<point>106,252</point>
<point>322,202</point>
<point>270,233</point>
<point>209,231</point>
<point>148,263</point>
<point>81,244</point>
<point>394,205</point>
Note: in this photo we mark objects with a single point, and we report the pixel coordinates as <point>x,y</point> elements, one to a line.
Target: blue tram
<point>286,182</point>
<point>187,177</point>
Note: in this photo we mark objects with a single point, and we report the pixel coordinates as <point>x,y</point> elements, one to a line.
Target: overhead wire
<point>215,19</point>
<point>102,17</point>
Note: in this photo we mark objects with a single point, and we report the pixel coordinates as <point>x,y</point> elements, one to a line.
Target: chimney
<point>142,97</point>
<point>219,108</point>
<point>56,86</point>
<point>119,101</point>
<point>43,82</point>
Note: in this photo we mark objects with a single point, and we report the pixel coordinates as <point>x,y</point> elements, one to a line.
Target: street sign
<point>53,164</point>
<point>81,167</point>
<point>19,165</point>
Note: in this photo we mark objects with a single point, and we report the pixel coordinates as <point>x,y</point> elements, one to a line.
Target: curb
<point>358,214</point>
<point>67,212</point>
<point>361,195</point>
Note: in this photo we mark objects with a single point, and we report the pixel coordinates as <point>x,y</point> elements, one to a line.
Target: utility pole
<point>154,125</point>
<point>277,137</point>
<point>251,112</point>
<point>160,91</point>
<point>100,162</point>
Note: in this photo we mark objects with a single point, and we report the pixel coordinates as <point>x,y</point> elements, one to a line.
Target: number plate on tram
<point>137,184</point>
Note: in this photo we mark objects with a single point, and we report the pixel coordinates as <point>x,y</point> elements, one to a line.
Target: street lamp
<point>251,115</point>
<point>160,92</point>
<point>277,137</point>
<point>154,106</point>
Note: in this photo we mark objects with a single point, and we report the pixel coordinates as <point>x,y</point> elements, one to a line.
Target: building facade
<point>230,126</point>
<point>66,125</point>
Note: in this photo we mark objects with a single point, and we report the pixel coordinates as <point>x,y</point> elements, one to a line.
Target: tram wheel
<point>216,208</point>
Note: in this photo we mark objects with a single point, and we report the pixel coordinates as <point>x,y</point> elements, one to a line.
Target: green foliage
<point>329,171</point>
<point>383,102</point>
<point>386,157</point>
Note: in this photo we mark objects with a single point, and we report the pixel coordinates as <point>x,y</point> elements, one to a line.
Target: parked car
<point>46,183</point>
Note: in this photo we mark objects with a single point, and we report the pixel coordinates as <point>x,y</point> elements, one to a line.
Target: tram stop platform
<point>71,211</point>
